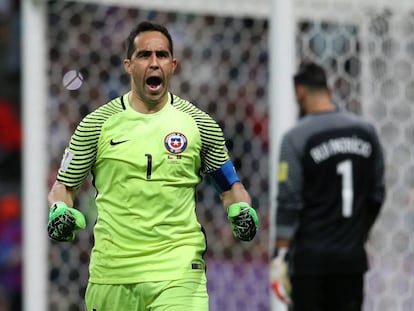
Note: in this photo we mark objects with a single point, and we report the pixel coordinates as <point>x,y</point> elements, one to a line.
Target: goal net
<point>223,52</point>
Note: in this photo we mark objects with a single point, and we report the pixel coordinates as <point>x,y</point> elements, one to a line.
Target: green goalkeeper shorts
<point>177,295</point>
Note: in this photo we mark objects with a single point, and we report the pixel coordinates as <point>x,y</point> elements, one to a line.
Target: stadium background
<point>224,67</point>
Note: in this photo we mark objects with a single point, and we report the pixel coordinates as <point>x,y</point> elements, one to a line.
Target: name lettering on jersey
<point>67,157</point>
<point>341,145</point>
<point>175,142</point>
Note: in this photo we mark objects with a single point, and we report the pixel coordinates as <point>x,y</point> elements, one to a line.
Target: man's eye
<point>144,54</point>
<point>162,54</point>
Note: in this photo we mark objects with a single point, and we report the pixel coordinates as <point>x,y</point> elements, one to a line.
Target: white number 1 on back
<point>344,169</point>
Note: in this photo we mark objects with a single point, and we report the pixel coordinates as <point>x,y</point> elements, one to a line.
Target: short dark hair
<point>142,27</point>
<point>311,75</point>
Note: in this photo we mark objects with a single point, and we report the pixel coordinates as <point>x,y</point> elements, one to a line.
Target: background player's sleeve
<point>378,192</point>
<point>377,196</point>
<point>290,183</point>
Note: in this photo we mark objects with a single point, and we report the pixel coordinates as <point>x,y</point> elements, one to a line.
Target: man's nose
<point>154,61</point>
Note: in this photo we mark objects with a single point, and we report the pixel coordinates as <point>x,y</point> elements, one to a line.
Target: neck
<point>319,103</point>
<point>146,107</point>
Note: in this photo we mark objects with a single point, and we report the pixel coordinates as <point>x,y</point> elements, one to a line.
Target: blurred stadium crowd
<point>10,154</point>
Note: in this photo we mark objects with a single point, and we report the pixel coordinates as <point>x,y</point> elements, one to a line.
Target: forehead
<point>151,40</point>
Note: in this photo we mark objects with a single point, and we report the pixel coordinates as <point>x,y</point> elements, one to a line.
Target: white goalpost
<point>282,108</point>
<point>34,95</point>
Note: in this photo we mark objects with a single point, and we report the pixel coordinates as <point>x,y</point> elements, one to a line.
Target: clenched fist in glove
<point>243,221</point>
<point>63,222</point>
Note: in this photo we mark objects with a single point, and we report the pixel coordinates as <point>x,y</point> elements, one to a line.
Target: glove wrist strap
<point>281,253</point>
<point>58,203</point>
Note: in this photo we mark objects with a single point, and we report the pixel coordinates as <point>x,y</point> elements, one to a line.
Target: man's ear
<point>174,63</point>
<point>127,65</point>
<point>300,91</point>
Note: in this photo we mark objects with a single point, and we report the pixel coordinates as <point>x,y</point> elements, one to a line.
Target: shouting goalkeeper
<point>147,152</point>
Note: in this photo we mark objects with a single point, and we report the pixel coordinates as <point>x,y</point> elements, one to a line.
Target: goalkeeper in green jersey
<point>147,151</point>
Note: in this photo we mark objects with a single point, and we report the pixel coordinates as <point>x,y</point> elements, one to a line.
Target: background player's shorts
<point>177,295</point>
<point>339,292</point>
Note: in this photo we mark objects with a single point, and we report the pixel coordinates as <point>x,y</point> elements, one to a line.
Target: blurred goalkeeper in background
<point>330,191</point>
<point>147,151</point>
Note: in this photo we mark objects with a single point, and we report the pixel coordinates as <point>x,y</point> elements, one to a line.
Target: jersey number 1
<point>149,165</point>
<point>344,169</point>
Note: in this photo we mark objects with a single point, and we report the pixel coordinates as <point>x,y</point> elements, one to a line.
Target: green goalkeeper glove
<point>63,222</point>
<point>243,221</point>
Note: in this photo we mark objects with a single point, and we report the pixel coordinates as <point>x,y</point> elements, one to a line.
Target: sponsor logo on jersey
<point>113,142</point>
<point>175,142</point>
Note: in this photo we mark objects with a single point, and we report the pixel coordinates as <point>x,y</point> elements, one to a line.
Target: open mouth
<point>154,83</point>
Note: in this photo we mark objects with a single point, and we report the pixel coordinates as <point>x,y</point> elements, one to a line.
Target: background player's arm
<point>289,204</point>
<point>282,243</point>
<point>378,193</point>
<point>289,199</point>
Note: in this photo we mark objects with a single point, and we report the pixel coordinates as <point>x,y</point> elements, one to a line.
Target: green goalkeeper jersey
<point>145,168</point>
